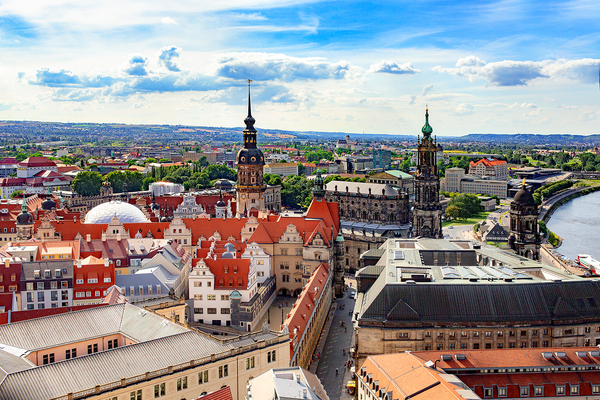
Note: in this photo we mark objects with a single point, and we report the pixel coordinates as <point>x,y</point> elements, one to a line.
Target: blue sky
<point>351,66</point>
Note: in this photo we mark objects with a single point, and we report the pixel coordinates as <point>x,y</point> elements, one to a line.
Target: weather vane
<point>249,80</point>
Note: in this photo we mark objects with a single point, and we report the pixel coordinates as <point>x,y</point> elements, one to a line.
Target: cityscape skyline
<point>482,67</point>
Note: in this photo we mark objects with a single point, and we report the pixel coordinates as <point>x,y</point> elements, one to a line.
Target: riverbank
<point>563,198</point>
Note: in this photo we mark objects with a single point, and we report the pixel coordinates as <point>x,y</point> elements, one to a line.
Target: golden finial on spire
<point>426,107</point>
<point>523,183</point>
<point>249,80</point>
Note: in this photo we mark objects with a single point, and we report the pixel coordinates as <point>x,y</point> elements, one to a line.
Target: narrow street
<point>335,352</point>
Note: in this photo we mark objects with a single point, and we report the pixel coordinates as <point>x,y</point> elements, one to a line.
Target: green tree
<point>87,183</point>
<point>121,181</point>
<point>16,193</point>
<point>452,212</point>
<point>20,157</point>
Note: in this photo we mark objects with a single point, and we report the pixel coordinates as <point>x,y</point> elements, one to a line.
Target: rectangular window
<point>596,389</point>
<point>224,297</point>
<point>198,310</point>
<point>197,297</point>
<point>211,310</point>
<point>224,310</point>
<point>40,296</point>
<point>574,389</point>
<point>249,362</point>
<point>501,392</point>
<point>202,377</point>
<point>135,395</point>
<point>539,390</point>
<point>30,286</point>
<point>211,297</point>
<point>40,286</point>
<point>525,391</point>
<point>68,354</point>
<point>560,390</point>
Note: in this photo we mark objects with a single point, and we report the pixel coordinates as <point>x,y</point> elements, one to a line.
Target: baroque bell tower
<point>250,188</point>
<point>427,213</point>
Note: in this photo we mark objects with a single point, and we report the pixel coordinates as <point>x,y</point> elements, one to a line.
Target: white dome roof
<point>105,212</point>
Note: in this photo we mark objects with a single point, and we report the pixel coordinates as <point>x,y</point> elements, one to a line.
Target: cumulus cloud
<point>279,67</point>
<point>464,109</point>
<point>225,84</point>
<point>168,21</point>
<point>521,73</point>
<point>445,96</point>
<point>390,67</point>
<point>64,78</point>
<point>166,57</point>
<point>137,65</point>
<point>412,100</point>
<point>523,105</point>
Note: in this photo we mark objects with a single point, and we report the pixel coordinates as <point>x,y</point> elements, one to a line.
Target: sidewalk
<point>323,338</point>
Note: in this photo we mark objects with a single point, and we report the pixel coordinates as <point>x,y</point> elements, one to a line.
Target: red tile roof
<point>302,309</point>
<point>487,162</point>
<point>221,394</point>
<point>37,162</point>
<point>230,273</point>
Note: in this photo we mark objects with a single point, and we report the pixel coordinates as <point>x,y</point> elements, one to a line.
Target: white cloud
<point>523,105</point>
<point>464,109</point>
<point>521,73</point>
<point>391,67</point>
<point>280,67</point>
<point>426,90</point>
<point>168,21</point>
<point>446,96</point>
<point>569,108</point>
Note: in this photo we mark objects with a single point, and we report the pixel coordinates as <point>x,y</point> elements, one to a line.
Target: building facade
<point>394,178</point>
<point>496,169</point>
<point>456,181</point>
<point>373,203</point>
<point>427,213</point>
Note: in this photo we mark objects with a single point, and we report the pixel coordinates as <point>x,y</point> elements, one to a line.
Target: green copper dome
<point>318,190</point>
<point>427,129</point>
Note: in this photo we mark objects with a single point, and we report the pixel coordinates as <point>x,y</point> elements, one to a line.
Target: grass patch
<point>468,221</point>
<point>553,239</point>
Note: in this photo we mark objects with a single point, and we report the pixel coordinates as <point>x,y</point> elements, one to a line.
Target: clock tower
<point>250,188</point>
<point>427,213</point>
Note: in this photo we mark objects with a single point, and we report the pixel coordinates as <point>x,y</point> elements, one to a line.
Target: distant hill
<point>526,138</point>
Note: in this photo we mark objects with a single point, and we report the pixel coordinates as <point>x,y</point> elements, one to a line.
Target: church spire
<point>250,131</point>
<point>427,130</point>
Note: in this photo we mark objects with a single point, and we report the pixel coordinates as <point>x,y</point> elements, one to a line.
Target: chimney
<point>78,263</point>
<point>7,262</point>
<point>104,237</point>
<point>119,237</point>
<point>106,262</point>
<point>304,394</point>
<point>298,378</point>
<point>88,238</point>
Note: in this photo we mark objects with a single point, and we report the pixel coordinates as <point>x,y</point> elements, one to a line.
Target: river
<point>578,224</point>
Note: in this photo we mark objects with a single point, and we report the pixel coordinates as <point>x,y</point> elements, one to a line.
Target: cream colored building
<point>283,169</point>
<point>130,353</point>
<point>456,181</point>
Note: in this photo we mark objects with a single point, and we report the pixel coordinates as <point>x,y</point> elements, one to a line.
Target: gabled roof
<point>487,162</point>
<point>302,309</point>
<point>57,330</point>
<point>37,162</point>
<point>230,273</point>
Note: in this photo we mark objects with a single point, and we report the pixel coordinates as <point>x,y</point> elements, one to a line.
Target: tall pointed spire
<point>249,121</point>
<point>249,132</point>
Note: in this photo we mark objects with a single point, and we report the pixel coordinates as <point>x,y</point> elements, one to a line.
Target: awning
<point>351,384</point>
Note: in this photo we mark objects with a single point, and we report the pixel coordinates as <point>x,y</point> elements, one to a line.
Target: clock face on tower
<point>243,196</point>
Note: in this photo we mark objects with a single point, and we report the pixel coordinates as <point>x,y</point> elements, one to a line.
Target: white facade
<point>162,188</point>
<point>52,298</point>
<point>261,261</point>
<point>212,305</point>
<point>189,208</point>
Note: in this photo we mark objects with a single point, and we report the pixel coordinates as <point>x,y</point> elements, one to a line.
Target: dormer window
<point>36,274</point>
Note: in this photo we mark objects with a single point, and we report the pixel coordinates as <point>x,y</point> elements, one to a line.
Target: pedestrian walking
<point>336,372</point>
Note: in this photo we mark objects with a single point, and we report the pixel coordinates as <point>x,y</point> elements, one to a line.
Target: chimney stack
<point>88,238</point>
<point>7,262</point>
<point>79,263</point>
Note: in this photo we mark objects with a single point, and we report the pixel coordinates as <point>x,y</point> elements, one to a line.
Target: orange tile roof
<point>487,162</point>
<point>509,358</point>
<point>230,273</point>
<point>221,394</point>
<point>302,309</point>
